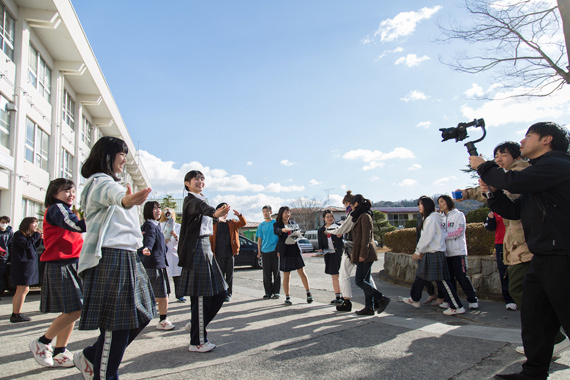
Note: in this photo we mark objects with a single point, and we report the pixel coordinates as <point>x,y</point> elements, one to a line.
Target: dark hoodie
<point>6,237</point>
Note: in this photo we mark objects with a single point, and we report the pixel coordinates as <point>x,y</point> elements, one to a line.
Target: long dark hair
<point>282,209</point>
<point>364,206</point>
<point>448,201</point>
<point>55,186</point>
<point>25,224</point>
<point>429,207</point>
<point>102,156</point>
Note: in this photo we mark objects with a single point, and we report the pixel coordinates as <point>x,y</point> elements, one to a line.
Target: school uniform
<point>155,264</point>
<point>290,257</point>
<point>24,269</point>
<point>328,242</point>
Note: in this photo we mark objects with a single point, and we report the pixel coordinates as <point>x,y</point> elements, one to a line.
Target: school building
<point>54,105</point>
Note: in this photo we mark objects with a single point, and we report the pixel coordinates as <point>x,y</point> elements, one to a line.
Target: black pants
<point>446,286</point>
<point>546,292</point>
<point>203,309</point>
<point>363,281</point>
<point>271,274</point>
<point>457,266</point>
<point>226,264</point>
<point>503,274</point>
<point>107,352</point>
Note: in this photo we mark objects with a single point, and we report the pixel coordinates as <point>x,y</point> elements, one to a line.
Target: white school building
<point>54,105</point>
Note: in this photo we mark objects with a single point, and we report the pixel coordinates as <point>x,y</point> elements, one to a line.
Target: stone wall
<point>482,270</point>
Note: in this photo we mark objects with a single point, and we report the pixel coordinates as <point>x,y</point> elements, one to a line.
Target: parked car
<point>305,245</point>
<point>247,253</point>
<point>312,236</point>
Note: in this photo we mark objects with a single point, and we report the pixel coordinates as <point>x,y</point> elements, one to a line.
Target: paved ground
<point>263,339</point>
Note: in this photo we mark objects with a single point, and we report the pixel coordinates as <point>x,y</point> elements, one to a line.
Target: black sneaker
<point>346,305</point>
<point>381,304</point>
<point>365,311</point>
<point>276,296</point>
<point>266,297</point>
<point>288,301</point>
<point>15,318</point>
<point>309,298</point>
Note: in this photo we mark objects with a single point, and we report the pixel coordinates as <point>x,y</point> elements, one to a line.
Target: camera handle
<point>471,148</point>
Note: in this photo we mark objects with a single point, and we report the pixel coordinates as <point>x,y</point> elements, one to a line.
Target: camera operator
<point>544,210</point>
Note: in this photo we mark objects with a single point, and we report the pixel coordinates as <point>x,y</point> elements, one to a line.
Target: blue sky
<point>277,100</point>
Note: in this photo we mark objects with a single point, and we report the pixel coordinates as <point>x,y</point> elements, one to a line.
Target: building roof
<point>398,210</point>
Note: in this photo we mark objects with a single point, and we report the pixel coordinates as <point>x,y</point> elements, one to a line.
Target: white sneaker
<point>520,350</point>
<point>188,326</point>
<point>165,324</point>
<point>511,306</point>
<point>83,365</point>
<point>561,347</point>
<point>202,347</point>
<point>43,353</point>
<point>474,306</point>
<point>451,311</point>
<point>63,359</point>
<point>410,301</point>
<point>444,305</point>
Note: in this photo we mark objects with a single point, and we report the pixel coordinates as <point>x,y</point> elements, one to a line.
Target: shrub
<point>478,216</point>
<point>411,223</point>
<point>479,240</point>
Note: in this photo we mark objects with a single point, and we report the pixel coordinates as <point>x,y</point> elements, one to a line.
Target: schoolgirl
<point>290,257</point>
<point>155,263</point>
<point>62,289</point>
<point>332,247</point>
<point>24,269</point>
<point>171,231</point>
<point>432,265</point>
<point>117,295</point>
<point>363,255</point>
<point>201,278</point>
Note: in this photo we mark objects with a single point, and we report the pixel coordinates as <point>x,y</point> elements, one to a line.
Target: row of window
<point>6,32</point>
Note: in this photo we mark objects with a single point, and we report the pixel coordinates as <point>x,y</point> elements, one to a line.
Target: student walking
<point>155,263</point>
<point>171,231</point>
<point>290,257</point>
<point>363,255</point>
<point>201,278</point>
<point>24,270</point>
<point>62,289</point>
<point>266,249</point>
<point>332,247</point>
<point>117,296</point>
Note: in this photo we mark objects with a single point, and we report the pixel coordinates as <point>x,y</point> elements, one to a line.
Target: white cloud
<point>408,182</point>
<point>411,60</point>
<point>424,124</point>
<point>343,187</point>
<point>336,200</point>
<point>286,163</point>
<point>415,167</point>
<point>402,25</point>
<point>399,49</point>
<point>476,91</point>
<point>501,111</point>
<point>444,180</point>
<point>375,158</point>
<point>249,163</point>
<point>414,95</point>
<point>250,205</point>
<point>278,188</point>
<point>314,182</point>
<point>374,178</point>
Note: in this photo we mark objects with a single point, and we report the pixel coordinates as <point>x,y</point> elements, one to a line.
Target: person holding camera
<point>544,210</point>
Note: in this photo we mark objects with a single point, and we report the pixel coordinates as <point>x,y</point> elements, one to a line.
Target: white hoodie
<point>432,238</point>
<point>453,227</point>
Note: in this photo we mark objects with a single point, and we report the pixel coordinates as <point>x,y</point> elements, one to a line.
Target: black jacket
<point>544,205</point>
<point>192,212</point>
<point>153,239</point>
<point>323,241</point>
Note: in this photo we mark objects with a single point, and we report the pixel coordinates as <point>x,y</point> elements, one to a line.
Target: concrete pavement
<point>263,339</point>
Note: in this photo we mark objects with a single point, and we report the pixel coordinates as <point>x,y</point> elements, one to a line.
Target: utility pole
<point>328,193</point>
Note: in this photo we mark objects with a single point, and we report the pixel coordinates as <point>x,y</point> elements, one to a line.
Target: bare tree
<point>522,41</point>
<point>305,212</point>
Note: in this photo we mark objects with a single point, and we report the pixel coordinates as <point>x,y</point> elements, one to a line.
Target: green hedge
<point>479,241</point>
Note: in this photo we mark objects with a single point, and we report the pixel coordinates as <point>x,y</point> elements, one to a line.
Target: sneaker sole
<point>32,347</point>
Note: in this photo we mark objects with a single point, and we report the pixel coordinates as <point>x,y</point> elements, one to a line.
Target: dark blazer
<point>24,256</point>
<point>277,227</point>
<point>323,241</point>
<point>153,239</point>
<point>192,212</point>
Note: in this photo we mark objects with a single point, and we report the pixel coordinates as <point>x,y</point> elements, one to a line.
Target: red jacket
<point>62,233</point>
<point>234,234</point>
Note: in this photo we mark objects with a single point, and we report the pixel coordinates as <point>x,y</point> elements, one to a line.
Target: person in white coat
<point>171,230</point>
<point>454,225</point>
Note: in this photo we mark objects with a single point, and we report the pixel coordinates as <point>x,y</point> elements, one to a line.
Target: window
<point>31,208</point>
<point>39,74</point>
<point>4,122</point>
<point>6,32</point>
<point>86,132</point>
<point>37,145</point>
<point>66,164</point>
<point>398,220</point>
<point>68,109</point>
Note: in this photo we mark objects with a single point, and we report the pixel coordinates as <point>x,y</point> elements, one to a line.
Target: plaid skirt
<point>205,278</point>
<point>62,289</point>
<point>159,281</point>
<point>433,267</point>
<point>117,294</point>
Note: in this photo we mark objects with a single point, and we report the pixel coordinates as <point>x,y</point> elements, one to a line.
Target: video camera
<point>459,133</point>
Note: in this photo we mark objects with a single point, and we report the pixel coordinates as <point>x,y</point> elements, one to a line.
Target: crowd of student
<point>102,268</point>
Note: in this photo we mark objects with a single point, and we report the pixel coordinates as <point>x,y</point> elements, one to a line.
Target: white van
<point>313,238</point>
